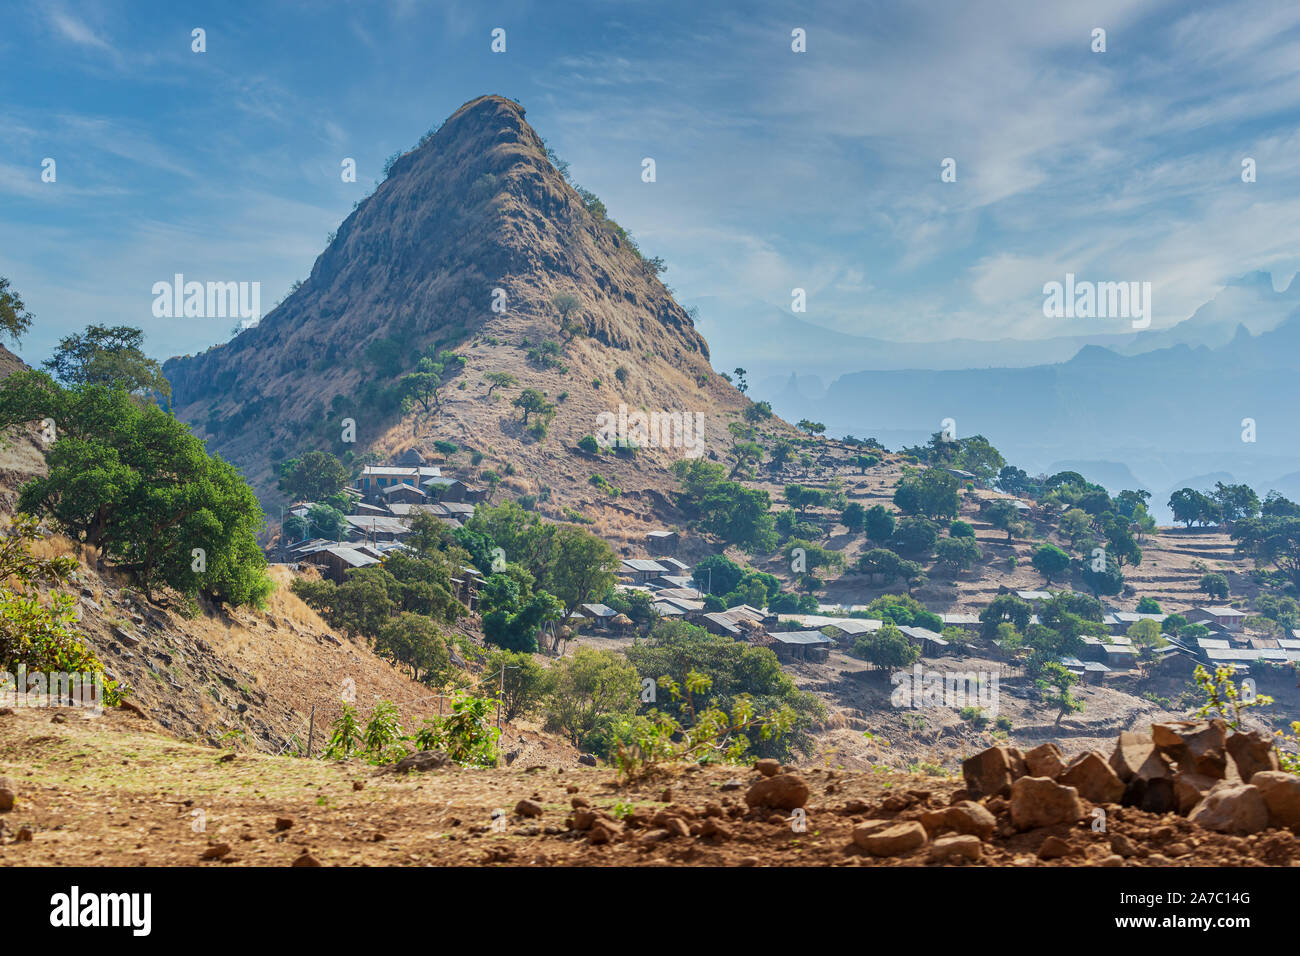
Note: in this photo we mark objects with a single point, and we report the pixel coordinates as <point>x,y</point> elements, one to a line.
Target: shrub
<point>37,635</point>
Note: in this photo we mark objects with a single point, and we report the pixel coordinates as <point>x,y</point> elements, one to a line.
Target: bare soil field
<point>106,791</point>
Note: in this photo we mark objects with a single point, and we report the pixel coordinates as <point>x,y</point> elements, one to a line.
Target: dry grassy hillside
<point>243,679</point>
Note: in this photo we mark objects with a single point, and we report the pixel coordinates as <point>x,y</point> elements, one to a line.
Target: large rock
<point>1281,793</point>
<point>1042,802</point>
<point>991,772</point>
<point>1196,746</point>
<point>966,817</point>
<point>1045,760</point>
<point>421,761</point>
<point>893,840</point>
<point>1137,757</point>
<point>785,791</point>
<point>1252,753</point>
<point>971,818</point>
<point>1094,778</point>
<point>1232,809</point>
<point>1190,789</point>
<point>963,846</point>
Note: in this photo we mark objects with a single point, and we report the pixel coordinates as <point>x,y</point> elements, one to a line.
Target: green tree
<point>880,523</point>
<point>1050,561</point>
<point>40,632</point>
<point>728,509</point>
<point>980,458</point>
<point>589,686</point>
<point>325,522</point>
<point>532,402</point>
<point>1189,505</point>
<point>15,320</point>
<point>315,476</point>
<point>736,673</point>
<point>745,454</point>
<point>1054,682</point>
<point>958,553</point>
<point>567,304</point>
<point>414,642</point>
<point>1005,516</point>
<point>499,380</point>
<point>814,555</point>
<point>521,683</point>
<point>932,493</point>
<point>717,574</point>
<point>579,567</point>
<point>1273,539</point>
<point>1214,584</point>
<point>1110,580</point>
<point>109,356</point>
<point>854,517</point>
<point>1148,605</point>
<point>518,631</point>
<point>802,497</point>
<point>131,480</point>
<point>915,535</point>
<point>1004,609</point>
<point>886,648</point>
<point>422,388</point>
<point>1235,501</point>
<point>1146,637</point>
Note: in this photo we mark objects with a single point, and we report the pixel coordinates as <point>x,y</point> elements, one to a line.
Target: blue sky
<point>775,170</point>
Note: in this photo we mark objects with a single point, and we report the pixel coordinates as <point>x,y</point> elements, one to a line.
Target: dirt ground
<point>109,791</point>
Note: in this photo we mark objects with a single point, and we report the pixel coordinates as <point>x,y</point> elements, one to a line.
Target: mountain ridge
<point>464,246</point>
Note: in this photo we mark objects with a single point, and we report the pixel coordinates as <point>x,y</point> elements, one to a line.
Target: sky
<point>775,169</point>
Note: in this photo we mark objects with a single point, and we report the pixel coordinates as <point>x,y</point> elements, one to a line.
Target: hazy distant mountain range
<point>772,343</point>
<point>1125,415</point>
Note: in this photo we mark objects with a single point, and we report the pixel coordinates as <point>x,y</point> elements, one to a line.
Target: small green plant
<point>974,715</point>
<point>345,736</point>
<point>1289,759</point>
<point>1222,699</point>
<point>1003,723</point>
<point>466,735</point>
<point>383,734</point>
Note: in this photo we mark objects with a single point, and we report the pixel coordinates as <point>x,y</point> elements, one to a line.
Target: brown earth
<point>107,791</point>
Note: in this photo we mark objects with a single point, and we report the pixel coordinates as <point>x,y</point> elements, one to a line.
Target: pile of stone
<point>1225,781</point>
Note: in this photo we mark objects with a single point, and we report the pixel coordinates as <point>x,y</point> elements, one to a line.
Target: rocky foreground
<point>110,791</point>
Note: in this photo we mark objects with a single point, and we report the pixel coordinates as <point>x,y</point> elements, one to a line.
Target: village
<point>385,497</point>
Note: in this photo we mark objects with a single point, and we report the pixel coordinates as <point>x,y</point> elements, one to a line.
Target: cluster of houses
<point>672,590</point>
<point>1227,644</point>
<point>383,500</point>
<point>1112,655</point>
